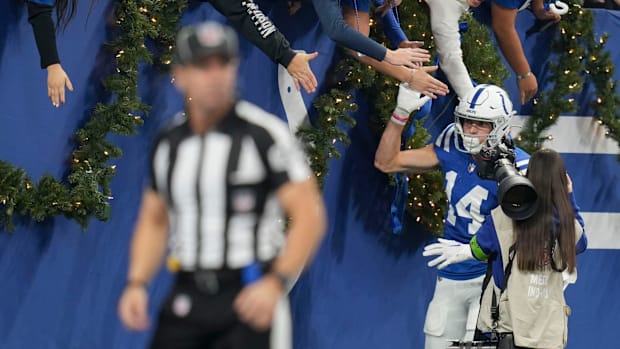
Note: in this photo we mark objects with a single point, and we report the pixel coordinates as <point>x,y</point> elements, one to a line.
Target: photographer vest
<point>532,306</point>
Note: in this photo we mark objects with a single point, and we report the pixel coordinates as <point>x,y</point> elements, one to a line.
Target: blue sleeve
<point>43,2</point>
<point>582,244</point>
<point>522,159</point>
<point>511,4</point>
<point>485,243</point>
<point>391,27</point>
<point>330,16</point>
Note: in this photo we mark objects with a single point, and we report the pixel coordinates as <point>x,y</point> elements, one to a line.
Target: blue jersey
<point>470,198</point>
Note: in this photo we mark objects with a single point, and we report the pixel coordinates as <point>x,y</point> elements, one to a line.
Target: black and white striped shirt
<point>221,187</point>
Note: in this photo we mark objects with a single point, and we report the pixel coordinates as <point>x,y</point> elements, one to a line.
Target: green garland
<point>580,57</point>
<point>606,103</point>
<point>333,110</point>
<point>86,191</point>
<point>426,199</point>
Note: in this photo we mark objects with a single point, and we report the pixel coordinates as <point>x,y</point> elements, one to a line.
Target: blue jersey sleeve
<point>511,4</point>
<point>522,159</point>
<point>582,244</point>
<point>391,27</point>
<point>485,243</point>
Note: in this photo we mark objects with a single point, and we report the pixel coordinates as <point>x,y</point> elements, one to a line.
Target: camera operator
<point>481,117</point>
<point>526,306</point>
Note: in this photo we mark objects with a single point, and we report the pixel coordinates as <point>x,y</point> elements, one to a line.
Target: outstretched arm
<point>40,18</point>
<point>330,16</point>
<point>538,7</point>
<point>503,22</point>
<point>481,247</point>
<point>445,17</point>
<point>448,252</point>
<point>389,158</point>
<point>255,26</point>
<point>419,79</point>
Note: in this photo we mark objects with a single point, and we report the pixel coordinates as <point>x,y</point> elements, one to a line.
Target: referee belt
<point>211,281</point>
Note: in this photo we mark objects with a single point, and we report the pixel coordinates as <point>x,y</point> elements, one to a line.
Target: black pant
<point>198,317</point>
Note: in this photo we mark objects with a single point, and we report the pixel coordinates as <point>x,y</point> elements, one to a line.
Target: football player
<point>482,117</point>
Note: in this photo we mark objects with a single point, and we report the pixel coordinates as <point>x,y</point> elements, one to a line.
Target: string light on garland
<point>426,199</point>
<point>567,79</point>
<point>332,113</point>
<point>86,191</point>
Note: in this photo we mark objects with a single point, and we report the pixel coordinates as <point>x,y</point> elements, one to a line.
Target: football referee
<point>222,180</point>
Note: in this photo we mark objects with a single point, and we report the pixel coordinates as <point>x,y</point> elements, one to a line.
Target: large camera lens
<point>516,194</point>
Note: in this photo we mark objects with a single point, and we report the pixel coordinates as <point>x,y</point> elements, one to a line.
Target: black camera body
<point>490,160</point>
<point>516,194</point>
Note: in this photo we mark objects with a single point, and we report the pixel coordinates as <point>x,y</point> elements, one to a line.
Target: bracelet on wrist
<point>526,75</point>
<point>411,78</point>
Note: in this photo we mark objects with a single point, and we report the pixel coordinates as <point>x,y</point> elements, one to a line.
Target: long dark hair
<point>548,237</point>
<point>65,10</point>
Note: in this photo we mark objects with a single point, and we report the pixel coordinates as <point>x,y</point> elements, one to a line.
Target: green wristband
<point>477,251</point>
<point>521,77</point>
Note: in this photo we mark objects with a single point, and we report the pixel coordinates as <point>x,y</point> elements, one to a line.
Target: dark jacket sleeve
<point>40,18</point>
<point>247,17</point>
<point>336,28</point>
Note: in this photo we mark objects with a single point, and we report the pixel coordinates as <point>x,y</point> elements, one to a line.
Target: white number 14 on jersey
<point>468,206</point>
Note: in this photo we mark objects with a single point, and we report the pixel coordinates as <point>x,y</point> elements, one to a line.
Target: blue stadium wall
<point>367,288</point>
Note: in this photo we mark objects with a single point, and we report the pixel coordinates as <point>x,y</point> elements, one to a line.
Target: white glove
<point>407,102</point>
<point>449,252</point>
<point>559,7</point>
<point>568,278</point>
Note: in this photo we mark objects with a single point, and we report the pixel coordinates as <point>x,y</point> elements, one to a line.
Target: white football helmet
<point>485,103</point>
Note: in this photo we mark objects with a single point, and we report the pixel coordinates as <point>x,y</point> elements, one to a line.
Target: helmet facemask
<point>484,103</point>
